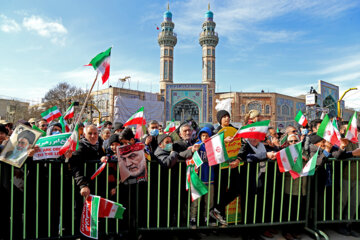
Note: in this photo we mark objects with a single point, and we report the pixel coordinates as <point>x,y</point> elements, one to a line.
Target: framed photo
<point>16,149</point>
<point>132,163</point>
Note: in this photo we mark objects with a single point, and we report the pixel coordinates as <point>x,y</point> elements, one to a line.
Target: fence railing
<point>42,201</point>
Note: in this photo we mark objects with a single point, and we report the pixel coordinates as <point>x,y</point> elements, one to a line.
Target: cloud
<point>279,36</point>
<point>49,29</point>
<point>8,25</point>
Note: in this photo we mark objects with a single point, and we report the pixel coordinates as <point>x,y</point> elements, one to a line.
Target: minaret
<point>208,41</point>
<point>167,40</point>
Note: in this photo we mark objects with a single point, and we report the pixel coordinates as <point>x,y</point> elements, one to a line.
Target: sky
<point>279,46</point>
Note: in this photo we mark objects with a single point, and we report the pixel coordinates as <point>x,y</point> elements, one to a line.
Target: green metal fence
<point>44,202</point>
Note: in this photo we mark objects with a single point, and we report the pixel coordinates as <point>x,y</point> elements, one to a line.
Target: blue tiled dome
<point>167,15</point>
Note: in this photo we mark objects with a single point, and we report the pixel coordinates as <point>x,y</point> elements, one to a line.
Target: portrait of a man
<point>16,150</point>
<point>132,163</point>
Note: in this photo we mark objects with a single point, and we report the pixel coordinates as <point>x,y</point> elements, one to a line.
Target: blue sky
<point>279,46</point>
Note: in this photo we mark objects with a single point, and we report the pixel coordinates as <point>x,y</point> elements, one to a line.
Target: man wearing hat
<point>118,128</point>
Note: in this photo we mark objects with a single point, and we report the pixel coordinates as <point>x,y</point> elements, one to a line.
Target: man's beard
<point>140,168</point>
<point>17,152</point>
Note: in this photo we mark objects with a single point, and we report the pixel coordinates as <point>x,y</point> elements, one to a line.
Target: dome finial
<point>168,7</point>
<point>209,6</point>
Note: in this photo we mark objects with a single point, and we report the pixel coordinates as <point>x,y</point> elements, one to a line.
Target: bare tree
<point>62,94</point>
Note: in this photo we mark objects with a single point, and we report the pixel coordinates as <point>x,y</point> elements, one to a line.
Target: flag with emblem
<point>197,159</point>
<point>351,131</point>
<point>309,168</point>
<point>197,187</point>
<point>327,131</point>
<point>215,149</point>
<point>255,130</point>
<point>101,63</point>
<point>136,118</point>
<point>51,114</point>
<point>170,127</point>
<point>110,209</point>
<point>70,111</point>
<point>301,119</point>
<point>290,158</point>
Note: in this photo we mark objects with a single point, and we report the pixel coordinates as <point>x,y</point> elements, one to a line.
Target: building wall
<point>13,110</point>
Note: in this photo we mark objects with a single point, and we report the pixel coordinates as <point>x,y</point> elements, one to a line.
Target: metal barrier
<point>47,206</point>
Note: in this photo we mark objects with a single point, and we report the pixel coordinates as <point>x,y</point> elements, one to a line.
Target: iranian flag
<point>170,127</point>
<point>255,130</point>
<point>197,159</point>
<point>136,118</point>
<point>215,149</point>
<point>101,63</point>
<point>338,135</point>
<point>99,170</point>
<point>100,125</point>
<point>89,217</point>
<point>197,187</point>
<point>51,114</point>
<point>69,112</point>
<point>43,133</point>
<point>301,119</point>
<point>309,168</point>
<point>327,131</point>
<point>72,142</point>
<point>290,158</point>
<point>65,127</point>
<point>351,131</point>
<point>110,209</point>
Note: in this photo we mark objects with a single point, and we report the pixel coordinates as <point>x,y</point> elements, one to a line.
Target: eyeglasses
<point>293,141</point>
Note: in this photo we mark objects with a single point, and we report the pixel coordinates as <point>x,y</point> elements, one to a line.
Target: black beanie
<point>161,138</point>
<point>220,114</point>
<point>114,138</point>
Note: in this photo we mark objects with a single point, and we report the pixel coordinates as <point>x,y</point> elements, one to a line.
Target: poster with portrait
<point>132,163</point>
<point>16,149</point>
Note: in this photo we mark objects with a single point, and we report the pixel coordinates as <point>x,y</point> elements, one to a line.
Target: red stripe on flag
<point>210,153</point>
<point>100,169</point>
<point>256,135</point>
<point>106,74</point>
<point>281,166</point>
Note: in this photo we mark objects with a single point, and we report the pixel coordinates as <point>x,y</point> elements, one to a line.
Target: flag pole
<point>83,107</point>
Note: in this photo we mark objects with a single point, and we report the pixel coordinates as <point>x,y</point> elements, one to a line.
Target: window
<point>285,110</point>
<point>267,109</point>
<point>165,69</point>
<point>171,52</point>
<point>213,69</point>
<point>165,52</point>
<point>208,69</point>
<point>213,52</point>
<point>209,52</point>
<point>170,70</point>
<point>203,64</point>
<point>254,105</point>
<point>243,109</point>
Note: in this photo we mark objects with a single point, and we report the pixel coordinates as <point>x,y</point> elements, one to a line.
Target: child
<point>204,134</point>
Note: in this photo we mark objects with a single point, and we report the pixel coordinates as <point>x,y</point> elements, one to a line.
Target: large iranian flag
<point>197,187</point>
<point>327,131</point>
<point>101,63</point>
<point>290,158</point>
<point>215,149</point>
<point>70,112</point>
<point>51,114</point>
<point>89,217</point>
<point>72,142</point>
<point>136,118</point>
<point>351,131</point>
<point>309,168</point>
<point>170,127</point>
<point>301,119</point>
<point>256,130</point>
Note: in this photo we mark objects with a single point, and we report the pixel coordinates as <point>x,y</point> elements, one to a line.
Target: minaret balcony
<point>206,33</point>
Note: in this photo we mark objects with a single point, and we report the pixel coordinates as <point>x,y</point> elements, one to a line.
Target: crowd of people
<point>242,177</point>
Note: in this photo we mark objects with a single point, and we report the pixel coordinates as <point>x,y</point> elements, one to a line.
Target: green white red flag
<point>99,170</point>
<point>338,135</point>
<point>136,118</point>
<point>110,209</point>
<point>351,131</point>
<point>255,130</point>
<point>170,127</point>
<point>101,125</point>
<point>101,63</point>
<point>89,217</point>
<point>65,127</point>
<point>43,133</point>
<point>94,208</point>
<point>301,119</point>
<point>72,142</point>
<point>70,112</point>
<point>309,168</point>
<point>197,187</point>
<point>215,149</point>
<point>327,131</point>
<point>290,158</point>
<point>51,114</point>
<point>197,159</point>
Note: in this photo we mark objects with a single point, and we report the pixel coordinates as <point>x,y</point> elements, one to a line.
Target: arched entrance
<point>186,109</point>
<point>330,103</point>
